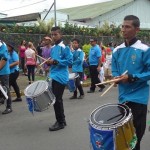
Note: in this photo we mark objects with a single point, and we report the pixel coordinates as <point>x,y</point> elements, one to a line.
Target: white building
<point>111,11</point>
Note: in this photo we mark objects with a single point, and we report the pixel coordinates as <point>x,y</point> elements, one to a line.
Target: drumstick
<point>40,66</point>
<point>110,81</point>
<point>40,57</point>
<point>44,61</point>
<point>112,85</point>
<point>108,89</point>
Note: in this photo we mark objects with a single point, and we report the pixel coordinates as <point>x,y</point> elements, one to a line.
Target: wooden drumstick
<point>110,81</point>
<point>44,62</point>
<point>40,66</point>
<point>108,89</point>
<point>111,85</point>
<point>40,57</point>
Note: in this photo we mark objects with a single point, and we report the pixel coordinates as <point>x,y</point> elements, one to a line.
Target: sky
<point>20,7</point>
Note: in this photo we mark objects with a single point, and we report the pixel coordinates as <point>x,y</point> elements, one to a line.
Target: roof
<point>22,18</point>
<point>2,14</point>
<point>93,10</point>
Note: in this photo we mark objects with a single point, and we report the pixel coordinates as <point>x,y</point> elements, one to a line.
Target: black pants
<point>4,79</point>
<point>94,78</point>
<point>22,64</point>
<point>13,82</point>
<point>139,112</point>
<point>58,90</point>
<point>31,69</point>
<point>78,85</point>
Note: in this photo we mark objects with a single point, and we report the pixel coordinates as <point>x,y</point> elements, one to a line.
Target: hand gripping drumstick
<point>112,85</point>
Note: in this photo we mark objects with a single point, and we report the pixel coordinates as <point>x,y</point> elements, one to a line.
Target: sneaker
<point>81,97</point>
<point>73,97</point>
<point>17,100</point>
<point>7,111</point>
<point>90,91</point>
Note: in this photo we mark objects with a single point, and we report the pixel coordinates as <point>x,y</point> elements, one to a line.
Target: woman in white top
<point>30,60</point>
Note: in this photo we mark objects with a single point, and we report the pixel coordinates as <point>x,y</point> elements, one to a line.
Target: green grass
<point>39,78</point>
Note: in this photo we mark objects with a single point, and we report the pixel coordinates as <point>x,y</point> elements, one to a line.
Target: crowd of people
<point>104,63</point>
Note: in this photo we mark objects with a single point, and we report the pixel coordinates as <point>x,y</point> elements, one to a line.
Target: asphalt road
<point>20,130</point>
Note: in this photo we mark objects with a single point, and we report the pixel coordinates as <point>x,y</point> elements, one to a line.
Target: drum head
<point>36,88</point>
<point>109,114</point>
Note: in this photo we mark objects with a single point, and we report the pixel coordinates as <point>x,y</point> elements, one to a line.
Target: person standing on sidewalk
<point>133,56</point>
<point>30,59</point>
<point>46,50</point>
<point>14,70</point>
<point>61,58</point>
<point>94,65</point>
<point>4,74</point>
<point>77,67</point>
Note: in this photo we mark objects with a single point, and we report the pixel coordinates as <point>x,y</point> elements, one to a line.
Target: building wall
<point>140,8</point>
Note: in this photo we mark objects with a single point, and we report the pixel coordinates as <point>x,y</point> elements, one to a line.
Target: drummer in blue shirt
<point>77,67</point>
<point>4,74</point>
<point>61,58</point>
<point>14,70</point>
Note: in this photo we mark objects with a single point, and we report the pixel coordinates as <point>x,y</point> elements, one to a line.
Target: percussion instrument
<point>111,128</point>
<point>71,83</point>
<point>39,96</point>
<point>3,94</point>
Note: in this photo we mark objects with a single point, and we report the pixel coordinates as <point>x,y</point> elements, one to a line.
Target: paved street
<point>22,131</point>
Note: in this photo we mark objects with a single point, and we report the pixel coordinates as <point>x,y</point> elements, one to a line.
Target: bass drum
<point>111,128</point>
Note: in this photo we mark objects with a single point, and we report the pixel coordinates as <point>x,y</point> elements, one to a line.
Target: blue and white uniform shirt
<point>63,55</point>
<point>136,60</point>
<point>13,57</point>
<point>4,56</point>
<point>77,65</point>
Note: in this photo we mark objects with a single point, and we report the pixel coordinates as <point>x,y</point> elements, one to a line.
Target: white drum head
<point>36,88</point>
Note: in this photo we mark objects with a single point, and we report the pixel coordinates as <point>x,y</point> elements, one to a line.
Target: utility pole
<point>55,13</point>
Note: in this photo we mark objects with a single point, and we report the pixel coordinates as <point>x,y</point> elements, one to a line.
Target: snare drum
<point>39,96</point>
<point>71,82</point>
<point>111,128</point>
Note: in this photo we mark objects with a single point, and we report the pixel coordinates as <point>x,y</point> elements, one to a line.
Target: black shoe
<point>81,97</point>
<point>73,97</point>
<point>65,124</point>
<point>101,89</point>
<point>57,126</point>
<point>17,100</point>
<point>90,91</point>
<point>7,111</point>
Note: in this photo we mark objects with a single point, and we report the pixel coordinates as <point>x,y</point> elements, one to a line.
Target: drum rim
<point>115,124</point>
<point>25,91</point>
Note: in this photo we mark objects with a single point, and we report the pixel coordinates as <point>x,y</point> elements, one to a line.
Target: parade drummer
<point>61,58</point>
<point>4,74</point>
<point>133,56</point>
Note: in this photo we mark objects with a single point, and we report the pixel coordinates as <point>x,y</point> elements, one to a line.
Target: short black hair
<point>135,19</point>
<point>57,28</point>
<point>77,40</point>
